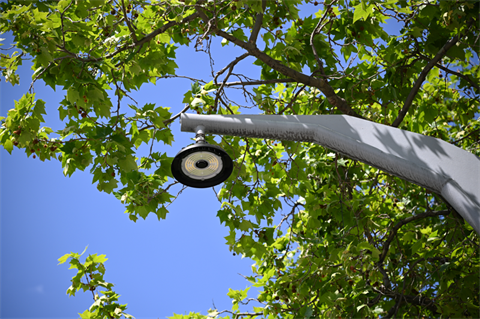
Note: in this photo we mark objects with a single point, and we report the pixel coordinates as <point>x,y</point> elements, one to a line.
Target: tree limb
<point>140,42</point>
<point>386,246</point>
<point>164,28</point>
<point>395,307</point>
<point>422,302</point>
<point>230,67</point>
<point>168,76</point>
<point>408,102</point>
<point>460,75</point>
<point>461,139</point>
<point>132,32</point>
<point>418,83</point>
<point>289,105</point>
<point>260,82</point>
<point>411,267</point>
<point>167,121</point>
<point>277,65</point>
<point>173,118</point>
<point>258,24</point>
<point>317,30</point>
<point>237,315</point>
<point>405,221</point>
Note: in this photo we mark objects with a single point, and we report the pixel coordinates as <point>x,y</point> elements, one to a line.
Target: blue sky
<point>177,265</point>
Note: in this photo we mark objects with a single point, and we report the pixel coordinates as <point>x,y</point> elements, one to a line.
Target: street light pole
<point>423,160</point>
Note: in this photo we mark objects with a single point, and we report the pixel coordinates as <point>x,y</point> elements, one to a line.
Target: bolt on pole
<point>440,167</point>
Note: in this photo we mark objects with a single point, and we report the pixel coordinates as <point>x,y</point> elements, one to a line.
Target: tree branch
<point>237,315</point>
<point>258,24</point>
<point>168,76</point>
<point>260,82</point>
<point>230,67</point>
<point>461,139</point>
<point>165,27</point>
<point>422,302</point>
<point>386,246</point>
<point>317,30</point>
<point>140,42</point>
<point>418,83</point>
<point>289,105</point>
<point>395,307</point>
<point>132,31</point>
<point>168,121</point>
<point>408,102</point>
<point>277,65</point>
<point>405,221</point>
<point>173,118</point>
<point>463,76</point>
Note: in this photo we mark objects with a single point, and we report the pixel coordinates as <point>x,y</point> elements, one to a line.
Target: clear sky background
<point>177,265</point>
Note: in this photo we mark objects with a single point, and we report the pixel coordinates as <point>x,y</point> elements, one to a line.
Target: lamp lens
<point>202,165</point>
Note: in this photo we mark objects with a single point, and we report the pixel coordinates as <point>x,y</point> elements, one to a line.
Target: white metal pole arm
<point>423,160</point>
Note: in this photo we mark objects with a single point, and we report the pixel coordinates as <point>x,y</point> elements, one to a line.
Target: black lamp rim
<point>226,171</point>
<point>194,147</point>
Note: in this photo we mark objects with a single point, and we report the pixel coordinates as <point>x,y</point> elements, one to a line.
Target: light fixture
<point>201,165</point>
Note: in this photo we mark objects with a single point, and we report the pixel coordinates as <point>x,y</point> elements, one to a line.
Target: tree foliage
<point>353,241</point>
<point>93,269</point>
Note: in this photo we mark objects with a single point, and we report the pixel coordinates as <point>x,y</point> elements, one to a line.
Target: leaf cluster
<point>351,241</point>
<point>89,277</point>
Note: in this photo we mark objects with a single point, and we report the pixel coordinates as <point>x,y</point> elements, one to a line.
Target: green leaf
<point>97,3</point>
<point>238,295</point>
<point>97,259</point>
<point>120,139</point>
<point>142,211</point>
<point>104,131</point>
<point>161,213</point>
<point>426,230</point>
<point>408,236</point>
<point>95,94</point>
<point>416,246</point>
<point>362,10</point>
<point>416,32</point>
<point>230,238</point>
<point>8,145</point>
<point>72,95</point>
<point>308,312</point>
<point>196,88</point>
<point>44,57</point>
<point>133,218</point>
<point>63,259</point>
<point>163,37</point>
<point>456,52</point>
<point>128,163</point>
<point>246,225</point>
<point>39,108</point>
<point>88,315</point>
<point>366,245</point>
<point>107,186</point>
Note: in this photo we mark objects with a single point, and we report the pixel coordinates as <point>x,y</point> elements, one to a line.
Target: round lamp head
<point>202,165</point>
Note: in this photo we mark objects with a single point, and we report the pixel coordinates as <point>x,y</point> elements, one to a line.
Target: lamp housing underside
<point>202,165</point>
